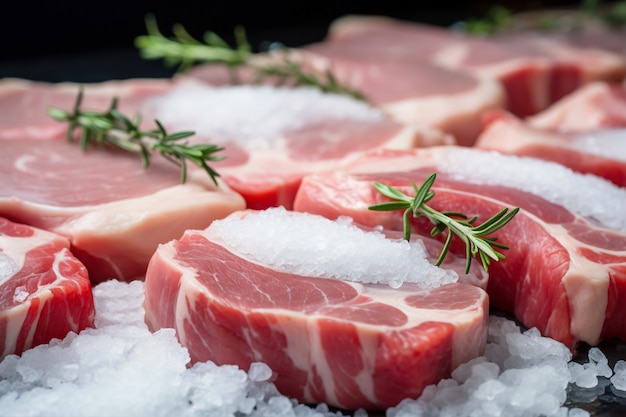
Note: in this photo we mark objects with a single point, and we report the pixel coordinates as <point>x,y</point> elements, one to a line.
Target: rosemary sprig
<point>499,18</point>
<point>184,50</point>
<point>457,223</point>
<point>495,18</point>
<point>113,128</point>
<point>290,70</point>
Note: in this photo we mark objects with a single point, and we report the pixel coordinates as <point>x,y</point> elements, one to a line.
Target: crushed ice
<point>520,374</point>
<point>120,368</point>
<point>601,201</point>
<point>609,143</point>
<point>312,245</point>
<point>253,116</point>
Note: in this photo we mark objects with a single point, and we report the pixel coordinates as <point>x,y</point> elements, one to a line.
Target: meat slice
<point>599,152</point>
<point>25,103</point>
<point>415,93</point>
<point>596,105</point>
<point>565,270</point>
<point>535,72</point>
<point>274,136</point>
<point>328,338</point>
<point>44,290</point>
<point>113,211</point>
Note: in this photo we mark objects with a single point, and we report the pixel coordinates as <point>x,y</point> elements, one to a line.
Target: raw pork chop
<point>409,93</point>
<point>24,103</point>
<point>534,72</point>
<point>599,152</point>
<point>265,155</point>
<point>565,271</point>
<point>274,136</point>
<point>44,290</point>
<point>594,106</point>
<point>112,210</point>
<point>347,343</point>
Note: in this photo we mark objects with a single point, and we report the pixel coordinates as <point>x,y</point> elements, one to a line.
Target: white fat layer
<point>610,143</point>
<point>587,287</point>
<point>586,195</point>
<point>13,252</point>
<point>254,117</point>
<point>311,245</point>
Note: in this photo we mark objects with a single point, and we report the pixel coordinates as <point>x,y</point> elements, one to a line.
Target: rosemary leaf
<point>113,128</point>
<point>458,224</point>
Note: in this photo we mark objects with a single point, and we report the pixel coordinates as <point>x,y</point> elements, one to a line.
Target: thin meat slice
<point>597,105</point>
<point>348,343</point>
<point>25,103</point>
<point>534,72</point>
<point>565,270</point>
<point>44,290</point>
<point>599,152</point>
<point>414,93</point>
<point>273,136</point>
<point>113,211</point>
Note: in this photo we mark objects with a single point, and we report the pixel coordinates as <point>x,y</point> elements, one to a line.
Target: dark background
<point>88,41</point>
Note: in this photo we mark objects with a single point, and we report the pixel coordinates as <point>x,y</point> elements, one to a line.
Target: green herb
<point>184,50</point>
<point>499,18</point>
<point>496,18</point>
<point>113,128</point>
<point>290,70</point>
<point>457,223</point>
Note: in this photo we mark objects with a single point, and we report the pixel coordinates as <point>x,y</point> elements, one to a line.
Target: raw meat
<point>266,175</point>
<point>599,152</point>
<point>596,105</point>
<point>44,290</point>
<point>416,93</point>
<point>275,136</point>
<point>25,103</point>
<point>534,72</point>
<point>565,270</point>
<point>113,211</point>
<point>348,344</point>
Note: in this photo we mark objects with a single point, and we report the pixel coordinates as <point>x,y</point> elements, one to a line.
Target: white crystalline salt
<point>600,362</point>
<point>535,386</point>
<point>312,245</point>
<point>610,143</point>
<point>120,368</point>
<point>8,267</point>
<point>578,412</point>
<point>259,372</point>
<point>619,377</point>
<point>583,376</point>
<point>601,201</point>
<point>254,117</point>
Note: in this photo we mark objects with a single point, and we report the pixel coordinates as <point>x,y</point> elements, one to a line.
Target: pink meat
<point>416,93</point>
<point>594,152</point>
<point>25,103</point>
<point>44,290</point>
<point>113,212</point>
<point>347,344</point>
<point>594,106</point>
<point>534,72</point>
<point>269,176</point>
<point>563,273</point>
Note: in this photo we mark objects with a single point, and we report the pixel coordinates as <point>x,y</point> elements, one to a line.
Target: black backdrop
<point>90,40</point>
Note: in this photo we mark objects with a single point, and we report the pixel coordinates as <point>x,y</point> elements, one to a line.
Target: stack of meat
<point>498,120</point>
